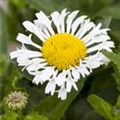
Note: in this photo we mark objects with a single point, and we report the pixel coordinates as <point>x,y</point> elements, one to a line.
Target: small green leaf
<point>118,101</point>
<point>55,108</point>
<point>10,116</point>
<point>101,106</point>
<point>115,58</point>
<point>35,116</point>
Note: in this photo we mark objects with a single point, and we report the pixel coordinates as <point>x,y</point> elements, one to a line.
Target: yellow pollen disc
<point>63,51</point>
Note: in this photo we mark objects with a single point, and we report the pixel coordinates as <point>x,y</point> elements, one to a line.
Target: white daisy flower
<point>71,48</point>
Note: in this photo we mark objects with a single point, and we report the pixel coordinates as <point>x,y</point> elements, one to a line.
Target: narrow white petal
<point>47,73</point>
<point>77,23</point>
<point>93,49</point>
<point>69,84</point>
<point>63,15</point>
<point>86,29</point>
<point>24,39</point>
<point>50,88</point>
<point>24,53</point>
<point>83,69</point>
<point>56,20</point>
<point>37,79</point>
<point>92,33</point>
<point>70,19</point>
<point>93,61</point>
<point>43,19</point>
<point>36,66</point>
<point>27,40</point>
<point>34,29</point>
<point>62,94</point>
<point>75,74</point>
<point>61,79</point>
<point>107,45</point>
<point>104,59</point>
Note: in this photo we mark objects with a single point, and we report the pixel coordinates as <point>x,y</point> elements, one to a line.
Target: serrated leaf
<point>115,58</point>
<point>55,108</point>
<point>101,106</point>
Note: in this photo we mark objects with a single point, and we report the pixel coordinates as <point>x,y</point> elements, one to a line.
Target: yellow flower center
<point>63,51</point>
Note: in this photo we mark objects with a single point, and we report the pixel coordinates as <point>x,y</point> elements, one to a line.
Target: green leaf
<point>113,11</point>
<point>3,32</point>
<point>116,76</point>
<point>34,116</point>
<point>101,106</point>
<point>3,64</point>
<point>118,101</point>
<point>3,42</point>
<point>10,116</point>
<point>55,108</point>
<point>115,58</point>
<point>43,5</point>
<point>117,117</point>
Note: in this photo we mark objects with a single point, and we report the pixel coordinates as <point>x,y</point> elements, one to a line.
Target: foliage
<point>103,82</point>
<point>104,108</point>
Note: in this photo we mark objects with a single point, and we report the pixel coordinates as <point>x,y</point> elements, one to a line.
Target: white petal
<point>75,74</point>
<point>86,29</point>
<point>107,45</point>
<point>70,19</point>
<point>63,15</point>
<point>36,66</point>
<point>24,39</point>
<point>92,33</point>
<point>77,23</point>
<point>93,61</point>
<point>43,19</point>
<point>60,79</point>
<point>47,73</point>
<point>93,49</point>
<point>34,29</point>
<point>27,40</point>
<point>50,88</point>
<point>98,39</point>
<point>37,80</point>
<point>69,85</point>
<point>104,59</point>
<point>83,69</point>
<point>62,94</point>
<point>24,53</point>
<point>56,20</point>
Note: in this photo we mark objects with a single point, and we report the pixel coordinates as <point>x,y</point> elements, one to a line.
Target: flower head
<point>71,48</point>
<point>16,100</point>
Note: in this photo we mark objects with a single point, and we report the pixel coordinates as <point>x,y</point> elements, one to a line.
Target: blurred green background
<point>104,82</point>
